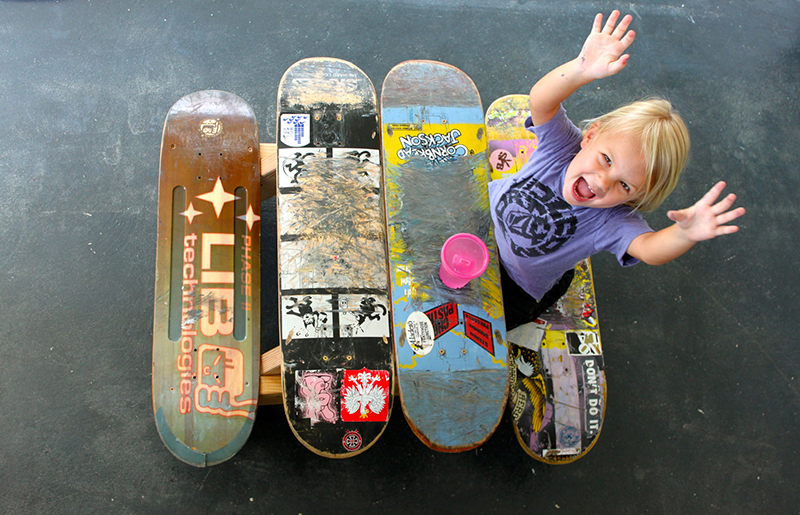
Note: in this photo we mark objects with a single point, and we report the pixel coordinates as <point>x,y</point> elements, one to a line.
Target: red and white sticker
<point>352,441</point>
<point>365,396</point>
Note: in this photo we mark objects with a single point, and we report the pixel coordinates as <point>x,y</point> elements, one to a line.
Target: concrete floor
<point>702,354</point>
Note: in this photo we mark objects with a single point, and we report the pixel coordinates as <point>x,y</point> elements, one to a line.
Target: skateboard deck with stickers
<point>558,387</point>
<point>450,344</point>
<point>332,266</point>
<point>206,336</point>
<point>510,144</point>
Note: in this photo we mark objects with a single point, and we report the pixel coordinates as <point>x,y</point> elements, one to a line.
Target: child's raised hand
<point>705,219</point>
<point>602,53</point>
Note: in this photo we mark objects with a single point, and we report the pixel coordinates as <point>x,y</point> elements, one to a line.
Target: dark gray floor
<point>702,354</point>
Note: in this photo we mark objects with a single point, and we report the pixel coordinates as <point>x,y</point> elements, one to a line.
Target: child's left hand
<point>706,220</point>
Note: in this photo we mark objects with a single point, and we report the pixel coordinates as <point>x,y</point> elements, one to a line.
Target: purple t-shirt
<point>539,235</point>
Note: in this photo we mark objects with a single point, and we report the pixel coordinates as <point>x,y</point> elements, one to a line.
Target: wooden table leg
<point>269,163</point>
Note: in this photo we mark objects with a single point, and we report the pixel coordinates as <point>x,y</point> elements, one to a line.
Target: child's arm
<point>702,221</point>
<point>601,56</point>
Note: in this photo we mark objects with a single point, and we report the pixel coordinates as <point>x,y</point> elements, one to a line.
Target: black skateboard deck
<point>452,358</point>
<point>206,340</point>
<point>334,301</point>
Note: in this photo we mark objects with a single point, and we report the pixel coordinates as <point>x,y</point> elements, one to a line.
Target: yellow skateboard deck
<point>558,385</point>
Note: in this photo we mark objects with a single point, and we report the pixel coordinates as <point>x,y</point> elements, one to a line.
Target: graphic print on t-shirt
<point>536,221</point>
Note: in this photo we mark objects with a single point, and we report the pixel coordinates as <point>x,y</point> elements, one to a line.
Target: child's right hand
<point>602,53</point>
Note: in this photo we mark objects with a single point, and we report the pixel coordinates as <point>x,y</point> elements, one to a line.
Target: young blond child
<point>582,191</point>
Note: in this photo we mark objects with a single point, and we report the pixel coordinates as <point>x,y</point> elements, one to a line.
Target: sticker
<point>583,343</point>
<point>443,318</point>
<point>365,396</point>
<point>352,441</point>
<point>316,396</point>
<point>479,331</point>
<point>501,160</point>
<point>437,147</point>
<point>309,316</point>
<point>363,315</point>
<point>592,387</point>
<point>210,128</point>
<point>419,333</point>
<point>296,129</point>
<point>568,437</point>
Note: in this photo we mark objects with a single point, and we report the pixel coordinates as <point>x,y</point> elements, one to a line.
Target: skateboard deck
<point>510,144</point>
<point>206,337</point>
<point>333,273</point>
<point>558,389</point>
<point>452,359</point>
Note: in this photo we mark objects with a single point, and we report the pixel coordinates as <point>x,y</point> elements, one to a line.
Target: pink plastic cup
<point>464,257</point>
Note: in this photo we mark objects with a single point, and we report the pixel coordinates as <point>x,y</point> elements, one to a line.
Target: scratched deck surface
<point>558,392</point>
<point>453,381</point>
<point>207,294</point>
<point>334,299</point>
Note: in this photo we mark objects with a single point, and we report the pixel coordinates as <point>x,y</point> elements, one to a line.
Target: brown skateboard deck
<point>207,293</point>
<point>452,359</point>
<point>558,388</point>
<point>333,292</point>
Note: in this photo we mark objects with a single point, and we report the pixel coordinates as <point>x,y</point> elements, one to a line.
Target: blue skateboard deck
<point>450,346</point>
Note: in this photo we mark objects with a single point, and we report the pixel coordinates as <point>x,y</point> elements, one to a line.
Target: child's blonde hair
<point>665,145</point>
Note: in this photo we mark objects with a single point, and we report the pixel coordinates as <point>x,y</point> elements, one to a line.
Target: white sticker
<point>528,335</point>
<point>296,129</point>
<point>419,333</point>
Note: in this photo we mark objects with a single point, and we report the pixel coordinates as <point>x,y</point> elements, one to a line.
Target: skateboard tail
<point>193,456</point>
<point>447,426</point>
<point>510,143</point>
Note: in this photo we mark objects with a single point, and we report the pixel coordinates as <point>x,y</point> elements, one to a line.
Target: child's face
<point>608,171</point>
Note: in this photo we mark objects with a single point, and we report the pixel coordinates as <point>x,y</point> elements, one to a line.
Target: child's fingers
<point>711,196</point>
<point>598,23</point>
<point>724,204</point>
<point>623,26</point>
<point>619,64</point>
<point>612,20</point>
<point>730,215</point>
<point>628,39</point>
<point>726,229</point>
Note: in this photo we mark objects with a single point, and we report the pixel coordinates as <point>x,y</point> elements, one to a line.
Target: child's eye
<point>607,159</point>
<point>625,185</point>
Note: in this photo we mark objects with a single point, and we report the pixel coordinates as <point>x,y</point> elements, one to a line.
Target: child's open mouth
<point>581,190</point>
